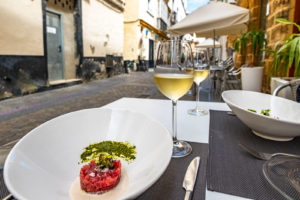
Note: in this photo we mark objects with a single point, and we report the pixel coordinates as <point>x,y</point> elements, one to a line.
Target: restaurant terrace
<point>149,99</point>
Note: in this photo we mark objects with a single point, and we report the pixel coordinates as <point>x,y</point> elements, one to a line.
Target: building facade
<point>146,21</point>
<point>178,10</point>
<point>45,42</point>
<point>288,9</point>
<point>263,14</point>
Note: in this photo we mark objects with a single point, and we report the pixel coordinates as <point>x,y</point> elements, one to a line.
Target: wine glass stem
<point>197,96</point>
<point>174,119</point>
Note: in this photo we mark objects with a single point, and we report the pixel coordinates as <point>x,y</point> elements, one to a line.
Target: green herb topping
<point>117,150</point>
<point>265,112</point>
<point>252,110</point>
<point>105,161</point>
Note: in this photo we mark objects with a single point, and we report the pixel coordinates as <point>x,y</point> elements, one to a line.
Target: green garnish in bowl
<point>265,112</point>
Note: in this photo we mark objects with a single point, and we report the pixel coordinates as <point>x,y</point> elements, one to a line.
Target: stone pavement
<point>21,114</point>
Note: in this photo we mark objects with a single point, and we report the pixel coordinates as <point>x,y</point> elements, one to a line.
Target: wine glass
<point>201,71</point>
<point>172,80</point>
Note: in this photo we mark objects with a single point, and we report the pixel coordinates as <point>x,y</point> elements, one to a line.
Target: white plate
<point>283,124</point>
<point>44,163</point>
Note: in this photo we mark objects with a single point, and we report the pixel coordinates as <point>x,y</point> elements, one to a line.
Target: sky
<point>194,4</point>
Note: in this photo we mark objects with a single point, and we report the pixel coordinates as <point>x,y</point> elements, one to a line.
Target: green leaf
<point>282,20</point>
<point>254,41</point>
<point>244,40</point>
<point>294,35</point>
<point>277,44</point>
<point>297,72</point>
<point>269,51</point>
<point>297,58</point>
<point>285,69</point>
<point>284,47</point>
<point>285,21</point>
<point>292,52</point>
<point>236,44</point>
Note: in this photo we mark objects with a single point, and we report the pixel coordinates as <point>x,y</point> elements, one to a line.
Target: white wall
<point>163,11</point>
<point>149,15</point>
<point>103,29</point>
<point>179,6</point>
<point>180,9</point>
<point>21,31</point>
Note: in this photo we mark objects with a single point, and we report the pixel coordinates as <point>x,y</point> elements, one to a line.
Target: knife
<point>190,178</point>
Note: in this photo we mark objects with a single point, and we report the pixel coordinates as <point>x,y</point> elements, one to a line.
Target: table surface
<point>216,68</point>
<point>190,128</point>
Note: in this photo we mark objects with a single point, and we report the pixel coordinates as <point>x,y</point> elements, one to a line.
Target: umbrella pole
<point>214,58</point>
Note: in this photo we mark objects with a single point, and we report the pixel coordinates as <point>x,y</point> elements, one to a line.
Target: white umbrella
<point>209,43</point>
<point>215,18</point>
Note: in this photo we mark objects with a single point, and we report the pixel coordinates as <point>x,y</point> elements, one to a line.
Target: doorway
<point>151,53</point>
<point>55,55</point>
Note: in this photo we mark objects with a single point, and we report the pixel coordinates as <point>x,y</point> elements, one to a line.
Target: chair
<point>231,77</point>
<point>295,87</point>
<point>217,72</point>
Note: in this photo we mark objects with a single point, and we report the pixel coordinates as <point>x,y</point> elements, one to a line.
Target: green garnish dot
<point>265,112</point>
<point>117,150</point>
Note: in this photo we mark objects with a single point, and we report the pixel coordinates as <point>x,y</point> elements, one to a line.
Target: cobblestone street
<point>21,114</point>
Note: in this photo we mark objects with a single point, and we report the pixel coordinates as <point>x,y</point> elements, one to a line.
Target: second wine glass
<point>201,72</point>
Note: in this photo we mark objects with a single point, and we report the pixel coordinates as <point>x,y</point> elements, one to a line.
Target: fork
<point>9,197</point>
<point>265,156</point>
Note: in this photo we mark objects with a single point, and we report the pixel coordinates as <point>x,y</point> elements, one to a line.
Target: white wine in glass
<point>174,85</point>
<point>189,70</point>
<point>201,72</point>
<point>172,80</point>
<point>200,75</point>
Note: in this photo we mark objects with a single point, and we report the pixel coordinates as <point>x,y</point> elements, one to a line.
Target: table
<point>190,128</point>
<point>214,69</point>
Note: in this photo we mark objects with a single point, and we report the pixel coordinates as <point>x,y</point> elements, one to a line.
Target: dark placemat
<point>232,170</point>
<point>169,186</point>
<point>3,190</point>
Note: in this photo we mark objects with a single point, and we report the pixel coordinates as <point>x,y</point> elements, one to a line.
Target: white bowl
<point>283,124</point>
<point>44,163</point>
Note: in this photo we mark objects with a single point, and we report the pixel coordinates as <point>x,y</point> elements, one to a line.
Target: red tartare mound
<point>96,180</point>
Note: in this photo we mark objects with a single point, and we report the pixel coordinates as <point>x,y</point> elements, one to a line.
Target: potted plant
<point>285,54</point>
<point>251,77</point>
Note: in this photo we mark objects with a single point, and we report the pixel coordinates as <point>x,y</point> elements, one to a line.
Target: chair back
<point>298,94</point>
<point>295,86</point>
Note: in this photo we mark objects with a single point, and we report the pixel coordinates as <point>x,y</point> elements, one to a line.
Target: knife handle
<point>188,195</point>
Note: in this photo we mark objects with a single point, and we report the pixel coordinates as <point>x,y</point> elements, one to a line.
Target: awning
<point>208,43</point>
<point>215,18</point>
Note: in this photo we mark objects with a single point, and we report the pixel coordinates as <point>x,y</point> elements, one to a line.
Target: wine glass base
<point>181,149</point>
<point>197,112</point>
